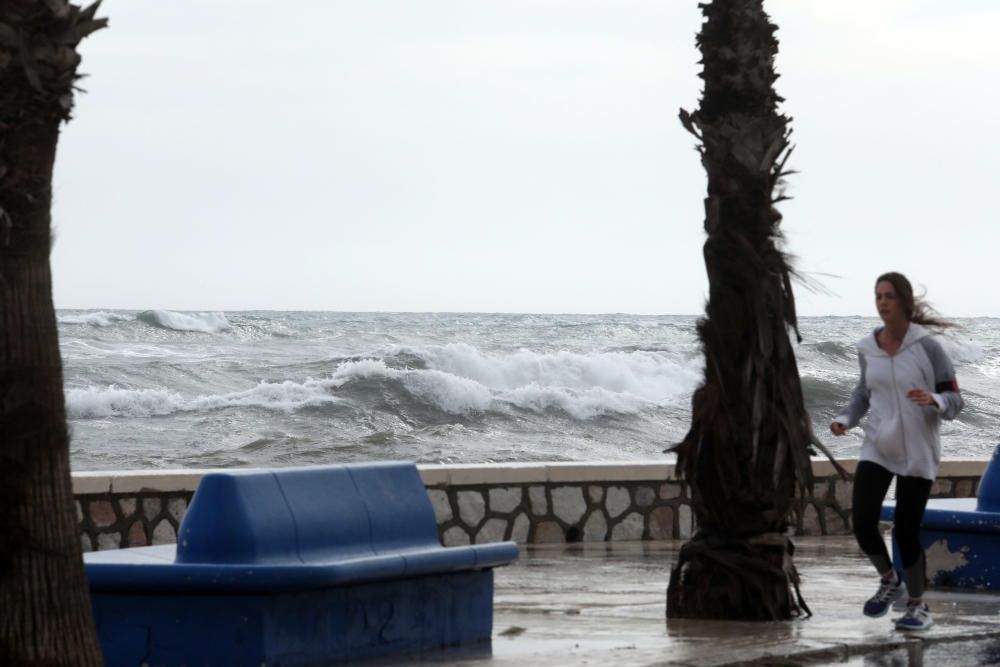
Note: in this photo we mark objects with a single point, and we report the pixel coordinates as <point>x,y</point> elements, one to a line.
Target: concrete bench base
<point>327,626</point>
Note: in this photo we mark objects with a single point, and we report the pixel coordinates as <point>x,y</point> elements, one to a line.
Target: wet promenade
<point>604,604</point>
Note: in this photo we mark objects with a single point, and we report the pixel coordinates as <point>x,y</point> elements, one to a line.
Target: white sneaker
<point>916,618</point>
<point>888,592</point>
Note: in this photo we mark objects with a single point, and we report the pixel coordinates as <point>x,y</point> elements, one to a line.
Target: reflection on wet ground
<point>922,654</point>
<point>604,604</point>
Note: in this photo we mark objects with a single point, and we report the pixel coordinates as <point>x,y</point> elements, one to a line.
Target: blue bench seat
<point>351,539</point>
<point>952,514</point>
<point>152,569</point>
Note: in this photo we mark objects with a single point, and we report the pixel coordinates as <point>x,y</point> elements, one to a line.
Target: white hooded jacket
<point>900,435</point>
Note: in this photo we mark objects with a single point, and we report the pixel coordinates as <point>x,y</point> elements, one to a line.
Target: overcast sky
<point>509,155</point>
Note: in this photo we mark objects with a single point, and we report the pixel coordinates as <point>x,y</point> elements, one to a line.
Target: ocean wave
<point>198,322</point>
<point>653,376</point>
<point>388,385</point>
<point>595,402</point>
<point>447,392</point>
<point>962,351</point>
<point>113,401</point>
<point>836,351</point>
<point>825,394</point>
<point>459,379</point>
<point>285,396</point>
<point>117,402</point>
<point>455,379</point>
<point>99,318</point>
<point>464,396</point>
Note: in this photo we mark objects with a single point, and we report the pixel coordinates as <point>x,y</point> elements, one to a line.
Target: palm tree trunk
<point>746,456</point>
<point>46,615</point>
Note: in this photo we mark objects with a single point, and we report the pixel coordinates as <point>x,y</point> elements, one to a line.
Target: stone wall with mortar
<point>526,503</point>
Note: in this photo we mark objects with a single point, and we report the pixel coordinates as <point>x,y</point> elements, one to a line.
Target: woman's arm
<point>858,406</point>
<point>947,399</point>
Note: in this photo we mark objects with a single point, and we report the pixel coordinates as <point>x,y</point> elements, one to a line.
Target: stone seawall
<point>527,503</point>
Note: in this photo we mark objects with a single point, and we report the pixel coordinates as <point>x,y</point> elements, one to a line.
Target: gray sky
<point>509,155</point>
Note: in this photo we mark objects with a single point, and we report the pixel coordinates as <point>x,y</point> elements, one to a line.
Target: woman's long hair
<point>917,310</point>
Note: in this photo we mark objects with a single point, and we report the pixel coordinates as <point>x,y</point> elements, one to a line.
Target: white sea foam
<point>460,379</point>
<point>199,322</point>
<point>654,377</point>
<point>594,402</point>
<point>118,402</point>
<point>99,318</point>
<point>962,350</point>
<point>284,396</point>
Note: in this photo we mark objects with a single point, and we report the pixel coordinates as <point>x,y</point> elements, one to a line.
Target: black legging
<point>871,482</point>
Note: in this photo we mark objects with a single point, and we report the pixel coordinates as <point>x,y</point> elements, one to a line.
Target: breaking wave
<point>457,380</point>
<point>962,351</point>
<point>96,319</point>
<point>199,322</point>
<point>654,376</point>
<point>118,402</point>
<point>447,392</point>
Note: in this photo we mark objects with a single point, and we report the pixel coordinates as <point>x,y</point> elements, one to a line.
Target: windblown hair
<point>916,308</point>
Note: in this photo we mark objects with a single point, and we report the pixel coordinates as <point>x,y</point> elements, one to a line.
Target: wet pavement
<point>932,654</point>
<point>604,604</point>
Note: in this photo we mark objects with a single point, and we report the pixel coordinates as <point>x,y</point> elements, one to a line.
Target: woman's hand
<point>921,397</point>
<point>838,429</point>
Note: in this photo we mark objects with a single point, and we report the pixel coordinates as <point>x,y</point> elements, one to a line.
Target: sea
<point>162,389</point>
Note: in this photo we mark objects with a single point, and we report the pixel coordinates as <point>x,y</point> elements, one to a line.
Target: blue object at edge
<point>988,497</point>
<point>964,530</point>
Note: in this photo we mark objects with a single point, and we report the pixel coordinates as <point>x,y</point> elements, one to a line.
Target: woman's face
<point>890,308</point>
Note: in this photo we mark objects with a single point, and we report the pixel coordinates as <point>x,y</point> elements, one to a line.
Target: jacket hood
<point>914,332</point>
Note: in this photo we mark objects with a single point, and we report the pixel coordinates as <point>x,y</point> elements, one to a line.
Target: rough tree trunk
<point>746,456</point>
<point>45,613</point>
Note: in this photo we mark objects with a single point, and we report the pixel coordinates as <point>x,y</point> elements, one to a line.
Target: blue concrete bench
<point>296,566</point>
<point>961,536</point>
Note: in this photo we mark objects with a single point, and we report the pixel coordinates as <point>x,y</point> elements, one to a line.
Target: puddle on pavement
<point>942,654</point>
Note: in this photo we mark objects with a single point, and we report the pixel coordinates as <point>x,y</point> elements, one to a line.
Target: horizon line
<point>454,312</point>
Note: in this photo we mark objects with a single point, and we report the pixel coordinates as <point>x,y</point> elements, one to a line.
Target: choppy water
<point>167,389</point>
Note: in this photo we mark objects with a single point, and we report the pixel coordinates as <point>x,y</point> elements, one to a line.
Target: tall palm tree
<point>746,456</point>
<point>45,613</point>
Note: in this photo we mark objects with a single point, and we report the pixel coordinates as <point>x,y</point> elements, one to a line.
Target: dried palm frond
<point>38,40</point>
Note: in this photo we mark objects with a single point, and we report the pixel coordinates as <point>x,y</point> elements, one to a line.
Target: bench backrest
<point>306,514</point>
<point>988,497</point>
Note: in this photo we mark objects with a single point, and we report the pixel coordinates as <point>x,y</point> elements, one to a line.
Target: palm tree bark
<point>45,612</point>
<point>746,456</point>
